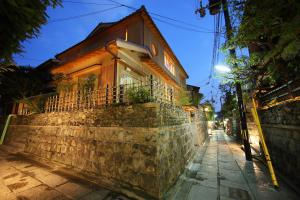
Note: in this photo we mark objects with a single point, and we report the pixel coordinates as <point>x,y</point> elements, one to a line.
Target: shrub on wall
<point>62,83</point>
<point>184,98</point>
<point>35,104</point>
<point>138,95</point>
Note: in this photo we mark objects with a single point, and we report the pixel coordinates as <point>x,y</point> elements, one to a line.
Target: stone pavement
<point>220,171</point>
<point>23,179</point>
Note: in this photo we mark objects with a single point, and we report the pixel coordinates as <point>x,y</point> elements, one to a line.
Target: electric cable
<point>83,15</point>
<point>91,3</point>
<point>194,29</point>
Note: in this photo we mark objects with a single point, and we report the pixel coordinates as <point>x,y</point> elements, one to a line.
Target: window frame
<point>169,63</point>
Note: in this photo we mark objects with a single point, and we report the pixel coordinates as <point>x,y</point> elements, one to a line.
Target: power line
<point>91,3</point>
<point>151,13</point>
<point>83,15</point>
<point>130,7</point>
<point>179,21</point>
<point>162,16</point>
<point>169,18</point>
<point>182,27</point>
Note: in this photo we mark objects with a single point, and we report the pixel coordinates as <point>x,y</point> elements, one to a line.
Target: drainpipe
<point>6,127</point>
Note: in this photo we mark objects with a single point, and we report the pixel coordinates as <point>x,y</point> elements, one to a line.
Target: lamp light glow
<point>223,68</point>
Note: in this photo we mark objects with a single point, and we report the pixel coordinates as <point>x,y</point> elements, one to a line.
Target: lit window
<point>154,49</point>
<point>169,63</point>
<point>126,80</point>
<point>126,34</point>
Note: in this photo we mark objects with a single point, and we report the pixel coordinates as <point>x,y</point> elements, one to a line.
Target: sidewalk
<point>220,171</point>
<point>23,179</point>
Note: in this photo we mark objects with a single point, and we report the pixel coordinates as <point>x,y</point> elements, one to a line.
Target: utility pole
<point>214,4</point>
<point>242,109</point>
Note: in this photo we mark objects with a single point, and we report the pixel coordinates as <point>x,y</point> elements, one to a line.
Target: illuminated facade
<point>129,51</point>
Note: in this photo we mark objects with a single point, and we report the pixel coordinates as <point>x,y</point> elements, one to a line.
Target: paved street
<point>220,171</point>
<point>23,179</point>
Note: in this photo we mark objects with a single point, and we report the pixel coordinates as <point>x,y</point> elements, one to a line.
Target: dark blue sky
<point>194,49</point>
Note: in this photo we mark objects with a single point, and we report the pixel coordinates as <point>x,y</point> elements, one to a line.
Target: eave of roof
<point>114,24</point>
<point>143,9</point>
<point>193,86</point>
<point>133,46</point>
<point>101,25</point>
<point>47,63</point>
<point>139,11</point>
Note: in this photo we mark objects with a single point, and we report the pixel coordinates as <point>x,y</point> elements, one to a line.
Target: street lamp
<point>223,68</point>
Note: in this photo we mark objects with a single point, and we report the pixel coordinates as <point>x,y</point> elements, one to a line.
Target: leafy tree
<point>209,110</point>
<point>270,30</point>
<point>229,100</point>
<point>20,83</point>
<point>62,83</point>
<point>20,20</point>
<point>197,99</point>
<point>184,97</point>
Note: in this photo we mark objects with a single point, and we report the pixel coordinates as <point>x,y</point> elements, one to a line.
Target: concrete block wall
<point>141,148</point>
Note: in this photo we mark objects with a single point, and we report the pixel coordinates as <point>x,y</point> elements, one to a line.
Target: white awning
<point>133,46</point>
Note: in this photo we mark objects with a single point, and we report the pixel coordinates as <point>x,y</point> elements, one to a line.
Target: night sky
<point>190,42</point>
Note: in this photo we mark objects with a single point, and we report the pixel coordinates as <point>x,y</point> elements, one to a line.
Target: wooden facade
<point>125,52</point>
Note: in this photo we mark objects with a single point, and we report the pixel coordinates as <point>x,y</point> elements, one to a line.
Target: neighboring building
<point>130,51</point>
<point>195,94</point>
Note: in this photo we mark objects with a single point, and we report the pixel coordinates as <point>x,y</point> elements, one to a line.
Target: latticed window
<point>169,63</point>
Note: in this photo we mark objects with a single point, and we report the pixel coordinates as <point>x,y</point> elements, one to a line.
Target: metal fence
<point>288,91</point>
<point>122,94</point>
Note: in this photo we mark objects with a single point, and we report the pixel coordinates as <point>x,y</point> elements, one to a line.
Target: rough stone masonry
<point>281,127</point>
<point>139,150</point>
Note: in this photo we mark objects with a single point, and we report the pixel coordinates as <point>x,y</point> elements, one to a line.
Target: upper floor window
<point>169,63</point>
<point>154,49</point>
<point>126,34</point>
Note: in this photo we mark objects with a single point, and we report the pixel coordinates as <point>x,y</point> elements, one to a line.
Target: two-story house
<point>131,50</point>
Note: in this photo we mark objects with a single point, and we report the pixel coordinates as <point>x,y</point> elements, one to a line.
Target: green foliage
<point>87,83</point>
<point>229,100</point>
<point>138,95</point>
<point>20,20</point>
<point>20,83</point>
<point>271,31</point>
<point>6,66</point>
<point>209,110</point>
<point>196,99</point>
<point>35,104</point>
<point>184,98</point>
<point>63,84</point>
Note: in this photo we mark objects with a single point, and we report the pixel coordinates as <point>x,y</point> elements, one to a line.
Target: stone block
<point>149,182</point>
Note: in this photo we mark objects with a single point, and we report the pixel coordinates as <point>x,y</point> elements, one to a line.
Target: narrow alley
<point>220,171</point>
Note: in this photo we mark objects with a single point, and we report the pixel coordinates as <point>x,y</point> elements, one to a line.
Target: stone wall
<point>281,127</point>
<point>141,148</point>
